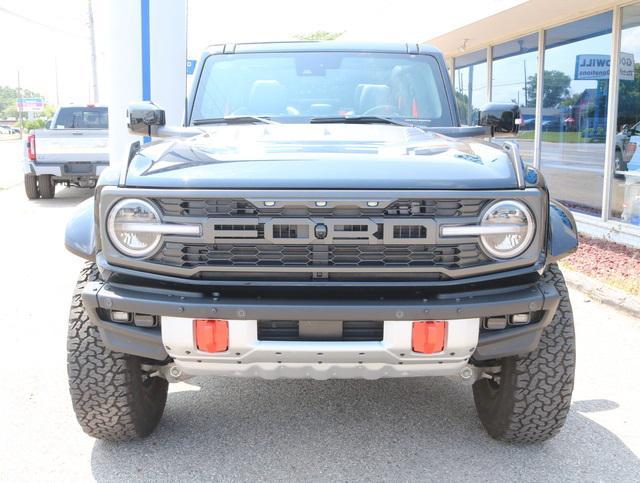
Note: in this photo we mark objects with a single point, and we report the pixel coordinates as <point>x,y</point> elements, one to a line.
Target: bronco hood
<point>321,156</point>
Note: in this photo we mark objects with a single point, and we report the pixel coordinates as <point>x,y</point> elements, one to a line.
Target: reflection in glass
<point>574,111</point>
<point>470,79</point>
<point>625,189</point>
<point>514,81</point>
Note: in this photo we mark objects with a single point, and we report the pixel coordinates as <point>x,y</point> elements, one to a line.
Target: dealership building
<point>581,123</point>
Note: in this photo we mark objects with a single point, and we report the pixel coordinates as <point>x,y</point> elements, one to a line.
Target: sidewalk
<point>10,163</point>
<point>602,292</point>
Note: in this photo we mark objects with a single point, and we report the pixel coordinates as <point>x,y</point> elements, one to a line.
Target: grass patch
<point>557,137</point>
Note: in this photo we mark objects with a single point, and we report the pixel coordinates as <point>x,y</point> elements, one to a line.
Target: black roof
<point>323,46</point>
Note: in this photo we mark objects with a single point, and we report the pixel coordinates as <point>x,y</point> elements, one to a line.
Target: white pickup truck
<point>72,150</point>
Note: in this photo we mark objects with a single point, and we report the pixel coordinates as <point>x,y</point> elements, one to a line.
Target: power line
<point>44,25</point>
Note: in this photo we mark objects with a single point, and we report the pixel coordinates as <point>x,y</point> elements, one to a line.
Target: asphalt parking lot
<point>229,429</point>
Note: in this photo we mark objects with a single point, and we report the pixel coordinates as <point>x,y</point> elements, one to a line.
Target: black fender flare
<point>80,236</point>
<point>563,232</point>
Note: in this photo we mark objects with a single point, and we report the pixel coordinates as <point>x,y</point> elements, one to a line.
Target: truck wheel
<point>113,397</point>
<point>31,186</point>
<point>528,400</point>
<point>46,186</point>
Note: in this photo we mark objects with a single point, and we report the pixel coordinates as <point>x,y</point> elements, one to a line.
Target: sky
<point>40,35</point>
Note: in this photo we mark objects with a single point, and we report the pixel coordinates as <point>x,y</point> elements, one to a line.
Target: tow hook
<point>466,373</point>
<point>470,374</point>
<point>171,373</point>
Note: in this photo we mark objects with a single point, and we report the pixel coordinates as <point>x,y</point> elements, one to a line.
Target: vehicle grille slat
<point>238,207</point>
<point>189,256</point>
<point>244,242</point>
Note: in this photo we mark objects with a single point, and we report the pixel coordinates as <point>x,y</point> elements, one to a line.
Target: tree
<point>34,124</point>
<point>8,96</point>
<point>319,35</point>
<point>554,90</point>
<point>462,101</point>
<point>629,99</point>
<point>48,111</point>
<point>571,100</point>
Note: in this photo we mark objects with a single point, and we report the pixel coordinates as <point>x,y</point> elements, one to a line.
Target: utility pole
<point>94,67</point>
<point>55,68</point>
<point>470,96</point>
<point>526,92</point>
<point>20,105</point>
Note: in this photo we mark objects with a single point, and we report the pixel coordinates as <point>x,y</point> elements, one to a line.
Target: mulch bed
<point>609,262</point>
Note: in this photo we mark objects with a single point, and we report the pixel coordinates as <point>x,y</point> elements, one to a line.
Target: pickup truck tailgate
<point>72,145</point>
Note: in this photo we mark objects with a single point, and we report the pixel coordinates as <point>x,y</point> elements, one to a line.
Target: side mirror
<point>143,116</point>
<point>501,118</point>
<point>47,125</point>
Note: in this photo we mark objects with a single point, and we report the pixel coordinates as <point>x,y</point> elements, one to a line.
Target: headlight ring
<point>518,229</point>
<point>130,227</point>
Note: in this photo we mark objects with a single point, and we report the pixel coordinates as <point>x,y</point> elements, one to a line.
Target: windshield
<point>82,118</point>
<point>299,86</point>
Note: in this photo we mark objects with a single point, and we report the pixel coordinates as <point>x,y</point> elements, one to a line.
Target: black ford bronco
<point>321,214</point>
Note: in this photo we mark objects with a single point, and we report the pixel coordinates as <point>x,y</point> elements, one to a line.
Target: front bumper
<point>247,356</point>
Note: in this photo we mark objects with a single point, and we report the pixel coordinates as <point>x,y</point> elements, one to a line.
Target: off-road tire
<point>46,186</point>
<point>530,399</point>
<point>31,186</point>
<point>113,398</point>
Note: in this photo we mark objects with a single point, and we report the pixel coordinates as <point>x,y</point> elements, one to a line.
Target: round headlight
<point>510,229</point>
<point>131,227</point>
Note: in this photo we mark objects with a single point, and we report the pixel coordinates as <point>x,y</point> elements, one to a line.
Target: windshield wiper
<point>359,120</point>
<point>234,120</point>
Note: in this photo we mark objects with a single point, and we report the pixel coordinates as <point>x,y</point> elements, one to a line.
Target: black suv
<point>321,214</point>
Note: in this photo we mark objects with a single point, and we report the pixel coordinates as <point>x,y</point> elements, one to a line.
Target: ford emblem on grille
<point>320,231</point>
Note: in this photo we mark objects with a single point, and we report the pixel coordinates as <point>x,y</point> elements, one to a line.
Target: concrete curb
<point>601,292</point>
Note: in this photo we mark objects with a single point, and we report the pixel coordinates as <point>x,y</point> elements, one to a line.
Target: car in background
<point>626,157</point>
<point>4,129</point>
<point>553,125</point>
<point>72,150</point>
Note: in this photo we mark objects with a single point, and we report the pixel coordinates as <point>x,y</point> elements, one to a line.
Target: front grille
<point>342,239</point>
<point>352,331</point>
<point>318,256</point>
<point>238,207</point>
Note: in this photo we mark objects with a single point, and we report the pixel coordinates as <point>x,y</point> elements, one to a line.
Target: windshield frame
<point>440,74</point>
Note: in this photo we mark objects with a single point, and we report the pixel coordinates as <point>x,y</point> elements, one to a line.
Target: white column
<point>124,73</point>
<point>612,112</point>
<point>168,48</point>
<point>147,43</point>
<point>537,133</point>
<point>489,74</point>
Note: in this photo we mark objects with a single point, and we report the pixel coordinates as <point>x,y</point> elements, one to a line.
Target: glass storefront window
<point>513,78</point>
<point>574,111</point>
<point>470,81</point>
<point>625,183</point>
